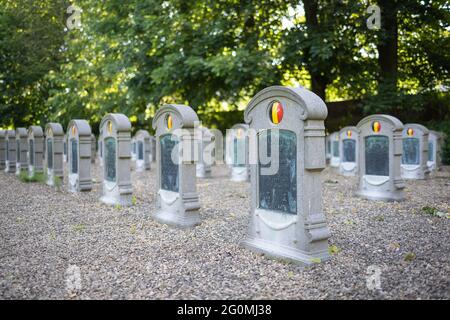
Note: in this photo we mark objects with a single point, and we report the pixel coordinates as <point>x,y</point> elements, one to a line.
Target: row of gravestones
<point>421,149</point>
<point>286,219</point>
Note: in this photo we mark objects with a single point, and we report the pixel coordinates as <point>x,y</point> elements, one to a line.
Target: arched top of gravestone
<point>83,127</point>
<point>11,134</point>
<point>396,124</point>
<point>55,128</point>
<point>186,115</point>
<point>35,131</point>
<point>121,121</point>
<point>348,128</point>
<point>313,107</point>
<point>142,134</point>
<point>415,126</point>
<point>240,126</point>
<point>21,133</point>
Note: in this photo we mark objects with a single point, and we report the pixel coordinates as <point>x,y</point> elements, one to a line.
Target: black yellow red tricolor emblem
<point>410,132</point>
<point>169,122</point>
<point>349,133</point>
<point>276,112</point>
<point>376,126</point>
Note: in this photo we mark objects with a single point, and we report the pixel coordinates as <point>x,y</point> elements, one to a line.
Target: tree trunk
<point>318,81</point>
<point>388,45</point>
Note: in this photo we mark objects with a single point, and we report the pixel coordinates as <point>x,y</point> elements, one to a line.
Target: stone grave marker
<point>176,144</point>
<point>143,150</point>
<point>287,155</point>
<point>349,148</point>
<point>54,141</point>
<point>35,150</point>
<point>2,149</point>
<point>116,143</point>
<point>435,141</point>
<point>21,150</point>
<point>335,158</point>
<point>10,145</point>
<point>380,145</point>
<point>79,142</point>
<point>415,152</point>
<point>239,148</point>
<point>206,146</point>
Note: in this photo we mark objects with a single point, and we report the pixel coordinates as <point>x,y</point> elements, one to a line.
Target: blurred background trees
<point>132,56</point>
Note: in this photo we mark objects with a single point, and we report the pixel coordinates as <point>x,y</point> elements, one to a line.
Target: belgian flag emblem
<point>276,112</point>
<point>74,131</point>
<point>349,133</point>
<point>410,132</point>
<point>110,127</point>
<point>169,122</point>
<point>376,126</point>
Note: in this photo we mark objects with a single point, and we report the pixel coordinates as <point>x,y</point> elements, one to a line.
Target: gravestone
<point>287,156</point>
<point>349,148</point>
<point>79,143</point>
<point>21,150</point>
<point>116,143</point>
<point>93,148</point>
<point>218,146</point>
<point>35,150</point>
<point>206,146</point>
<point>239,149</point>
<point>10,164</point>
<point>54,145</point>
<point>415,152</point>
<point>2,149</point>
<point>335,158</point>
<point>177,198</point>
<point>327,148</point>
<point>380,152</point>
<point>152,149</point>
<point>65,148</point>
<point>133,149</point>
<point>100,148</point>
<point>435,141</point>
<point>143,149</point>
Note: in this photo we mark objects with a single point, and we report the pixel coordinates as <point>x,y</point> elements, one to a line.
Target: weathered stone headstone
<point>54,140</point>
<point>79,140</point>
<point>380,145</point>
<point>143,149</point>
<point>152,149</point>
<point>133,149</point>
<point>415,152</point>
<point>2,149</point>
<point>100,148</point>
<point>116,142</point>
<point>93,148</point>
<point>435,141</point>
<point>327,148</point>
<point>287,144</point>
<point>239,148</point>
<point>206,146</point>
<point>21,150</point>
<point>349,151</point>
<point>35,150</point>
<point>335,158</point>
<point>177,198</point>
<point>65,149</point>
<point>10,164</point>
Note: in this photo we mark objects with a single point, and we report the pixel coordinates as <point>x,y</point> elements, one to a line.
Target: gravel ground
<point>58,245</point>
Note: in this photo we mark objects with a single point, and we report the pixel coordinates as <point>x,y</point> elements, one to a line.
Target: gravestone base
<point>348,169</point>
<point>20,169</point>
<point>122,200</point>
<point>413,172</point>
<point>239,174</point>
<point>140,166</point>
<point>173,211</point>
<point>9,167</point>
<point>381,195</point>
<point>203,171</point>
<point>51,179</point>
<point>290,254</point>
